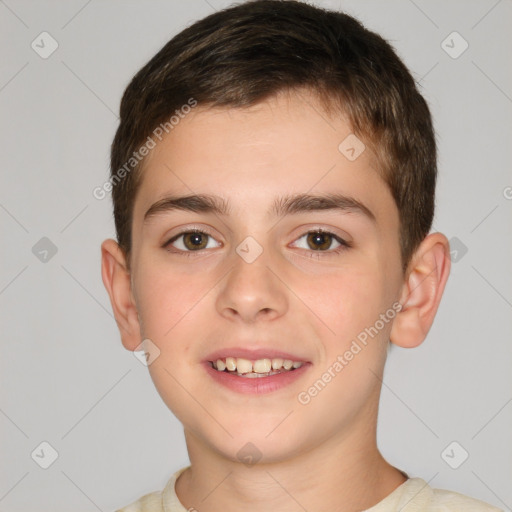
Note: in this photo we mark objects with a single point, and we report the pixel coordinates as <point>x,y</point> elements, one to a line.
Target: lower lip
<point>257,385</point>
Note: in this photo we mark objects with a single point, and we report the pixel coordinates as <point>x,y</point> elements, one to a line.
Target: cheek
<point>351,305</point>
<point>165,298</point>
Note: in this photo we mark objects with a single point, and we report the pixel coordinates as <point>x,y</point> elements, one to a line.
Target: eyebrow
<point>286,205</point>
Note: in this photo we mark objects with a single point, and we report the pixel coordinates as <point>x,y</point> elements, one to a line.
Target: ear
<point>422,291</point>
<point>117,281</point>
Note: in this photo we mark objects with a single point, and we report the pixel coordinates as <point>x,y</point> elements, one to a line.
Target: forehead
<point>285,145</point>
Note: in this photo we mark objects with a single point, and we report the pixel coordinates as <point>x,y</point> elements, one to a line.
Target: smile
<point>257,377</point>
<point>254,369</point>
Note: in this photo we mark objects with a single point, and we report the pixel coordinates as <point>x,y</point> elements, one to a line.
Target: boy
<point>273,179</point>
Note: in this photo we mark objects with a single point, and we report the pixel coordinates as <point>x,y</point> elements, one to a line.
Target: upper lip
<point>253,354</point>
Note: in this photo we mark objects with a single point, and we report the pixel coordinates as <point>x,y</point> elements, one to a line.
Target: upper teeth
<point>242,365</point>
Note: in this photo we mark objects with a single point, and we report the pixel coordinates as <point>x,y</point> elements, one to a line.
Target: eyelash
<point>344,245</point>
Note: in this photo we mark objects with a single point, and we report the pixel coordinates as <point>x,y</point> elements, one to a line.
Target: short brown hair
<point>247,53</point>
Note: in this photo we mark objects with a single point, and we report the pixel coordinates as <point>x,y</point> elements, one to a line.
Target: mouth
<point>255,372</point>
<point>253,369</point>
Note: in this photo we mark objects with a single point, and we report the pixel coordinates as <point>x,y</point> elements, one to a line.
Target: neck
<point>345,473</point>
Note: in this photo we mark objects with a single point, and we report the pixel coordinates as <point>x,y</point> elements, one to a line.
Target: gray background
<point>65,377</point>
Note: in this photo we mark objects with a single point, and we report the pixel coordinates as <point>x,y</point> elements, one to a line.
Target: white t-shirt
<point>414,495</point>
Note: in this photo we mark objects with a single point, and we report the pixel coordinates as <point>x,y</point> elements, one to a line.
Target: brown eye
<point>319,241</point>
<point>192,241</point>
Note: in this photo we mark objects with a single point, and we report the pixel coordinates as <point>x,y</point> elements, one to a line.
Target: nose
<point>252,290</point>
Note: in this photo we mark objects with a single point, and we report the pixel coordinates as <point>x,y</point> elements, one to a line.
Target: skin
<point>312,303</point>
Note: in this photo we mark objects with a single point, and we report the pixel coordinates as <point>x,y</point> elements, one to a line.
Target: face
<point>265,278</point>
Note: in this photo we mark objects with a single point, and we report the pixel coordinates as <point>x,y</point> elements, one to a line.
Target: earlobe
<point>422,291</point>
<point>117,281</point>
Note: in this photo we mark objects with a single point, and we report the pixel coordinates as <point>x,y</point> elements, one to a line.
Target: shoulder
<point>418,496</point>
<point>159,501</point>
<point>443,500</point>
<point>151,502</point>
